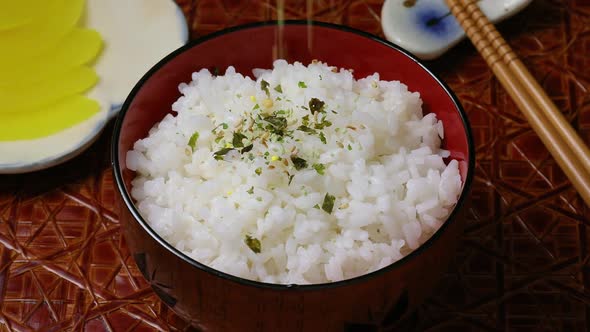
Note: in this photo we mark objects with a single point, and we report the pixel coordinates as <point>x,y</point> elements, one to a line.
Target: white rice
<point>383,165</point>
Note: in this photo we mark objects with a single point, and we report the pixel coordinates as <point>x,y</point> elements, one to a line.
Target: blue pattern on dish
<point>427,28</point>
<point>436,21</point>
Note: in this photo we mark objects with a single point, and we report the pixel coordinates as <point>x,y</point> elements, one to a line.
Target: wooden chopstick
<point>529,83</point>
<point>557,135</point>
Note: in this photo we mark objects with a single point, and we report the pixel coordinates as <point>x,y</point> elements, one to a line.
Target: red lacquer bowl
<point>215,301</point>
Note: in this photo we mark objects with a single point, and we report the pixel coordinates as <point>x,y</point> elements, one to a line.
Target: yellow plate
<point>14,14</point>
<point>49,120</point>
<point>79,47</point>
<point>39,35</point>
<point>75,81</point>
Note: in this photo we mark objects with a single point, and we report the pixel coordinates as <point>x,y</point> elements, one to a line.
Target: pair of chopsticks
<point>562,141</point>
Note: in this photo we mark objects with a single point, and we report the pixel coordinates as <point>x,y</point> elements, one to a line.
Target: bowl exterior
<point>214,301</point>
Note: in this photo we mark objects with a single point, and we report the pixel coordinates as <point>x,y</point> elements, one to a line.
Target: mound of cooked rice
<point>304,175</point>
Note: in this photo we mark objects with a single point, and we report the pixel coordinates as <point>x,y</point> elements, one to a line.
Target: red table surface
<point>523,262</point>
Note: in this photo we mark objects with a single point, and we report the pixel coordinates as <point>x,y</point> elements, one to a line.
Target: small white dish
<point>428,29</point>
<point>136,34</point>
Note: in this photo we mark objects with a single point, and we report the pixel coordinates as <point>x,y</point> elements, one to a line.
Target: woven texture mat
<point>523,263</point>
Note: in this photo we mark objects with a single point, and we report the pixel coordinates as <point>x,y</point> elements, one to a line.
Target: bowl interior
<point>252,47</point>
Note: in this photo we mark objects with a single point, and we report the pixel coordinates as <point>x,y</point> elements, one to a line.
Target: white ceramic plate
<point>426,27</point>
<point>136,34</point>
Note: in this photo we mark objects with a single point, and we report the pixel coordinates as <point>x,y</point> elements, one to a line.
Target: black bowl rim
<point>397,264</point>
